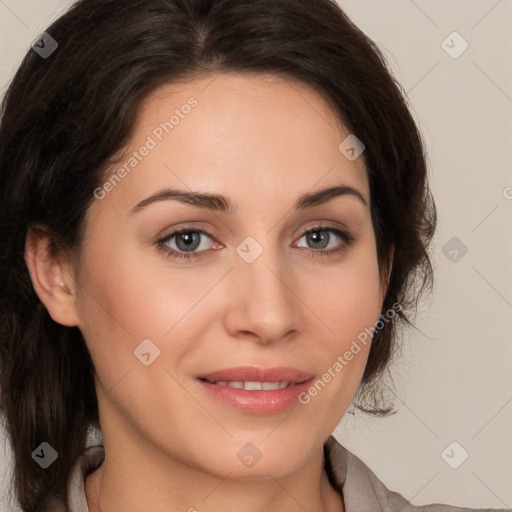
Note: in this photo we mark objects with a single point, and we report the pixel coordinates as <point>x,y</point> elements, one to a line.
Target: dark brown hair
<point>65,116</point>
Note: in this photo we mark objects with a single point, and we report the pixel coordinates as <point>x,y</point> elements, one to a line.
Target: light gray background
<point>453,380</point>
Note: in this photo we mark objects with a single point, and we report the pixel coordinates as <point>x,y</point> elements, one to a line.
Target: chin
<point>251,460</point>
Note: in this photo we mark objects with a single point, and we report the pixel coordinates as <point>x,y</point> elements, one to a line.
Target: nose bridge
<point>264,300</point>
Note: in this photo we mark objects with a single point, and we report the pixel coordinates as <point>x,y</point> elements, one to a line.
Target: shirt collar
<point>362,491</point>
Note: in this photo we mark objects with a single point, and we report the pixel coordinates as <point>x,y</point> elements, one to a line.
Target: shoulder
<point>364,492</point>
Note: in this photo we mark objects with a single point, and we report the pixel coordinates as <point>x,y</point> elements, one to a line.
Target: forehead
<point>255,138</point>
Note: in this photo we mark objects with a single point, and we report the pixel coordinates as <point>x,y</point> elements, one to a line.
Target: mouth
<point>252,385</point>
<point>278,374</point>
<point>256,390</point>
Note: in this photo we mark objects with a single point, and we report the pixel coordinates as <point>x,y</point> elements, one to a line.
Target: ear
<point>386,274</point>
<point>51,277</point>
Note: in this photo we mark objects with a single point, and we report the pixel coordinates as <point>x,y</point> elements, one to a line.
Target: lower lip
<point>257,402</point>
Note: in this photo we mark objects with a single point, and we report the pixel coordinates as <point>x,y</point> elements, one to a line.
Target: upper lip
<point>256,374</point>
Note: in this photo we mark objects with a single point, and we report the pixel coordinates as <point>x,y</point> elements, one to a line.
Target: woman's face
<point>257,291</point>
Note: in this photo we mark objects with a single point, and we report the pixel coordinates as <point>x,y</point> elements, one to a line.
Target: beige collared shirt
<point>362,491</point>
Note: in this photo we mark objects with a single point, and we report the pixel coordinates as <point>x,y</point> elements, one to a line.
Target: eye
<point>187,240</point>
<point>319,238</point>
<point>186,243</point>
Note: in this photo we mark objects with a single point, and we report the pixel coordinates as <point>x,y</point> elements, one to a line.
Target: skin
<point>262,142</point>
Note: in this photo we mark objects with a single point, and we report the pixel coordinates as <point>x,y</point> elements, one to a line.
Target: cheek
<point>125,300</point>
<point>128,294</point>
<point>348,305</point>
<point>349,299</point>
<point>118,306</point>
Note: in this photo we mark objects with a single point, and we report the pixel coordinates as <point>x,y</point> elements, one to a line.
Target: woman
<point>168,170</point>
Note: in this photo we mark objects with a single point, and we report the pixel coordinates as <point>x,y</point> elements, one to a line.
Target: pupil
<point>318,236</point>
<point>188,238</point>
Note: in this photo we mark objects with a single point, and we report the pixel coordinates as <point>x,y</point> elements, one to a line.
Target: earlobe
<point>51,278</point>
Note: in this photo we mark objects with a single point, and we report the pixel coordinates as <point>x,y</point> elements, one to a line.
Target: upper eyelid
<point>185,229</point>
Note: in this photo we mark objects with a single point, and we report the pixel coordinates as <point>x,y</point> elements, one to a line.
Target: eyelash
<point>172,253</point>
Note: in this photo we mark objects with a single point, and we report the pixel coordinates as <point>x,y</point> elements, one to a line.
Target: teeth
<point>233,384</point>
<point>253,386</point>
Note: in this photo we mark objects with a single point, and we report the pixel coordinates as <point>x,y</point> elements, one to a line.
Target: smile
<point>253,385</point>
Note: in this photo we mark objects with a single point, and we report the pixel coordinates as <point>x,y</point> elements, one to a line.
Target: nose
<point>263,303</point>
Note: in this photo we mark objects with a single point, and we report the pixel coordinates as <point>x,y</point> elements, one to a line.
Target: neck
<point>127,483</point>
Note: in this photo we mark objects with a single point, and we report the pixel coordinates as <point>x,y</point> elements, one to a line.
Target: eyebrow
<point>220,203</point>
